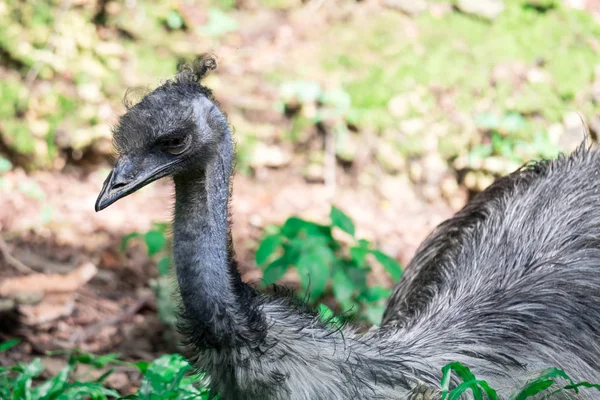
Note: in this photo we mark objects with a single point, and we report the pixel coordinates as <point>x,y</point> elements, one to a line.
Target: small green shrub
<point>158,245</point>
<point>167,377</point>
<point>549,383</point>
<point>512,137</point>
<point>322,262</point>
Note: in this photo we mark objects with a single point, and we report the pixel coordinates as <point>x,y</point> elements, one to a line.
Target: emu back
<point>512,282</point>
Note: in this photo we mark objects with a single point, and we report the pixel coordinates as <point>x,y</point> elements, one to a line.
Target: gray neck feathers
<point>217,307</point>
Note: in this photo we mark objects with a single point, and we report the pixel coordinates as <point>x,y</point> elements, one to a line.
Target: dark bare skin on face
<point>509,286</point>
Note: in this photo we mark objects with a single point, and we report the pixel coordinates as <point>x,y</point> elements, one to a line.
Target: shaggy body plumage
<point>509,286</point>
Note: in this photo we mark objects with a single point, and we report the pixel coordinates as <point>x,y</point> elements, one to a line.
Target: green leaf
<point>588,385</point>
<point>127,238</point>
<point>22,385</point>
<point>5,165</point>
<point>32,189</point>
<point>314,274</point>
<point>462,371</point>
<point>9,344</point>
<point>469,382</point>
<point>475,386</point>
<point>163,377</point>
<point>487,121</point>
<point>342,286</point>
<point>377,293</point>
<point>341,220</point>
<point>155,240</point>
<point>513,123</point>
<point>358,276</point>
<point>83,357</point>
<point>46,213</point>
<point>219,23</point>
<point>294,225</point>
<point>541,383</point>
<point>160,226</point>
<point>328,316</point>
<point>54,386</point>
<point>534,388</point>
<point>275,271</point>
<point>374,313</point>
<point>78,390</point>
<point>267,247</point>
<point>164,265</point>
<point>142,366</point>
<point>389,264</point>
<point>105,375</point>
<point>359,255</point>
<point>174,20</point>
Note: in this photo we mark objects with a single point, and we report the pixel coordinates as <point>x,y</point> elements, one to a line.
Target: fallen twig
<point>129,312</point>
<point>12,261</point>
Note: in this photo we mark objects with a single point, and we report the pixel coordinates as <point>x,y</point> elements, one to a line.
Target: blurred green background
<point>465,79</point>
<point>395,111</point>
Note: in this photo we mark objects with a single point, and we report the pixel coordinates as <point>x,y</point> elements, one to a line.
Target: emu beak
<point>125,178</point>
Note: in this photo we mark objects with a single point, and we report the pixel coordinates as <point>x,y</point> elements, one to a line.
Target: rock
<point>346,147</point>
<point>555,131</point>
<point>416,172</point>
<point>118,381</point>
<point>435,168</point>
<point>39,127</point>
<point>575,131</point>
<point>430,192</point>
<point>495,165</point>
<point>264,155</point>
<point>399,106</point>
<point>109,49</point>
<point>90,92</point>
<point>577,4</point>
<point>453,193</point>
<point>483,181</point>
<point>488,9</point>
<point>314,173</point>
<point>389,157</point>
<point>470,180</point>
<point>595,126</point>
<point>412,126</point>
<point>595,92</point>
<point>537,75</point>
<point>409,7</point>
<point>393,188</point>
<point>80,139</point>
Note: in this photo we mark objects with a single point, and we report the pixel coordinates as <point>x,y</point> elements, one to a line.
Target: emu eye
<point>175,145</point>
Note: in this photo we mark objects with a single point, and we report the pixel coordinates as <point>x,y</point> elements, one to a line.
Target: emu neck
<point>214,313</point>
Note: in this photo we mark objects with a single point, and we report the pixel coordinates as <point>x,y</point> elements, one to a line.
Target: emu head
<point>174,129</point>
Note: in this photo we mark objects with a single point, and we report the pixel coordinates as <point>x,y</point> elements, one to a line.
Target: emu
<point>509,286</point>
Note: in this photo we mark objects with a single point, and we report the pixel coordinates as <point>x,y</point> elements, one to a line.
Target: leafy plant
<point>318,105</point>
<point>548,383</point>
<point>219,23</point>
<point>511,137</point>
<point>157,245</point>
<point>17,381</point>
<point>167,377</point>
<point>322,262</point>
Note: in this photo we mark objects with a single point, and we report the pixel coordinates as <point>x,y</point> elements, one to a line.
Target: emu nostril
<point>119,185</point>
